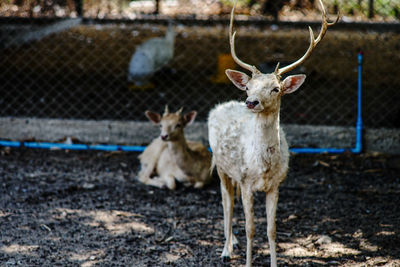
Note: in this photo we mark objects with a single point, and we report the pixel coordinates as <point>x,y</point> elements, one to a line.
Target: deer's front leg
<point>227,203</point>
<point>145,172</point>
<point>248,200</point>
<point>272,202</point>
<point>169,181</point>
<point>155,181</point>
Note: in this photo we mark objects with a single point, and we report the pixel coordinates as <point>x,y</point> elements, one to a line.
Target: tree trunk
<point>79,8</point>
<point>157,10</point>
<point>371,9</point>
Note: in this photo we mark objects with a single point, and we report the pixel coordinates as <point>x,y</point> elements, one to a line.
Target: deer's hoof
<point>225,259</point>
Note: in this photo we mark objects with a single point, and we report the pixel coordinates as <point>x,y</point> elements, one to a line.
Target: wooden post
<point>371,9</point>
<point>79,7</point>
<point>157,11</point>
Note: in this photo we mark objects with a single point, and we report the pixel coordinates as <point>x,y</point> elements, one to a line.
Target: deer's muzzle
<point>251,104</point>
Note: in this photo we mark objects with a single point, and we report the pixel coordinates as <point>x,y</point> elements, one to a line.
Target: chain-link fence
<point>77,67</point>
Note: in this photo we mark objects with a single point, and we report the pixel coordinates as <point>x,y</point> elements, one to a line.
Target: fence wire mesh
<point>77,67</point>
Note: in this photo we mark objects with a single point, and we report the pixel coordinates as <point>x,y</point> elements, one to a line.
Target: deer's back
<point>200,150</point>
<point>199,163</point>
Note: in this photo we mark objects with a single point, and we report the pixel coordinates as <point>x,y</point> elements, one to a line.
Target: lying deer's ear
<point>238,78</point>
<point>189,117</point>
<point>292,83</point>
<point>153,117</point>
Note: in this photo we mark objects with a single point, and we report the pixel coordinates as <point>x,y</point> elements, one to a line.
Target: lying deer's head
<point>265,90</point>
<point>171,124</point>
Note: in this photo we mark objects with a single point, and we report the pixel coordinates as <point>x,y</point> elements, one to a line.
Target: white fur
<point>245,148</point>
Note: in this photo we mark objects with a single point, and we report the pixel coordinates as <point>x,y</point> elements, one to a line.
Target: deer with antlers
<point>249,147</point>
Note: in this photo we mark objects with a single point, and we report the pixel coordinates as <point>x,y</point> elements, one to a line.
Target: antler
<point>246,66</point>
<point>166,110</point>
<point>313,43</point>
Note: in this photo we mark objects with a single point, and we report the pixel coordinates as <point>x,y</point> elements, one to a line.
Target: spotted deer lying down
<point>171,157</point>
<point>249,147</point>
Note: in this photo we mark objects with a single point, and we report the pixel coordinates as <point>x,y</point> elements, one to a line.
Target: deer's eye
<point>178,125</point>
<point>275,90</point>
<point>247,88</point>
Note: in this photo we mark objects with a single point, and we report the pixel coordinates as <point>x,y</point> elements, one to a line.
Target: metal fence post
<point>371,9</point>
<point>157,8</point>
<point>79,7</point>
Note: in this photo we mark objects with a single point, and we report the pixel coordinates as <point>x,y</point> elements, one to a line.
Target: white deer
<point>249,147</point>
<point>171,157</point>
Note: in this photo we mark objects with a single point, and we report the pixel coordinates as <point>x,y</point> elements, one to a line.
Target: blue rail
<point>46,145</point>
<point>359,125</point>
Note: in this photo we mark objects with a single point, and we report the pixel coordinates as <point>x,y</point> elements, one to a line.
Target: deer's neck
<point>180,150</point>
<point>266,131</point>
<point>261,142</point>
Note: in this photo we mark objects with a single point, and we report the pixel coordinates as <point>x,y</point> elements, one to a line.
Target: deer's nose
<point>164,137</point>
<point>251,104</point>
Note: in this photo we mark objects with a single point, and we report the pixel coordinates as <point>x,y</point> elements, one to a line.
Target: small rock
<point>88,186</point>
<point>274,27</point>
<point>11,262</point>
<point>124,165</point>
<point>323,240</point>
<point>169,239</point>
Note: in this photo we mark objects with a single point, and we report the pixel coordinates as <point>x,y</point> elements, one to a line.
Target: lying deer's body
<point>171,157</point>
<point>249,147</point>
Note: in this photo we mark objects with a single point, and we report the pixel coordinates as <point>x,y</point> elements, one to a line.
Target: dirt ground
<point>60,208</point>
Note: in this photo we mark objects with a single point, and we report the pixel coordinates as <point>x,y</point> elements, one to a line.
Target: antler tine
<point>313,42</point>
<point>246,66</point>
<point>166,110</point>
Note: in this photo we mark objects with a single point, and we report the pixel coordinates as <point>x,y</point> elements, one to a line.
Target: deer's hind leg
<point>227,193</point>
<point>271,203</point>
<point>248,207</point>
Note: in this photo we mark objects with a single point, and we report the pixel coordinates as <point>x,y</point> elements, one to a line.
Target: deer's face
<point>264,91</point>
<point>171,124</point>
<point>171,127</point>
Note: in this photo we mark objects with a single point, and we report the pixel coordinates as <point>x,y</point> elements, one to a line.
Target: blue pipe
<point>9,143</point>
<point>357,149</point>
<point>46,145</point>
<point>359,125</point>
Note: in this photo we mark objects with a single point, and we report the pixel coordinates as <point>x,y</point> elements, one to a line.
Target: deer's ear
<point>292,83</point>
<point>153,117</point>
<point>238,78</point>
<point>189,117</point>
